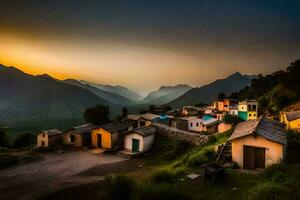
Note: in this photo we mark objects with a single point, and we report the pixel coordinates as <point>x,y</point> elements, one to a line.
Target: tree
<point>151,108</point>
<point>3,137</point>
<point>97,115</point>
<point>23,140</point>
<point>232,119</point>
<point>222,96</point>
<point>124,112</point>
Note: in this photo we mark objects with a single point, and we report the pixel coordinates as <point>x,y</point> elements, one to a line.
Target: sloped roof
<point>267,128</point>
<point>210,121</point>
<point>188,118</point>
<point>146,116</point>
<point>53,132</point>
<point>86,128</point>
<point>144,131</point>
<point>292,115</point>
<point>150,116</point>
<point>118,126</point>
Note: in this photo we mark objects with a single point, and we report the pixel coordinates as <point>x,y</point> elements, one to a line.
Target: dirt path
<point>52,173</point>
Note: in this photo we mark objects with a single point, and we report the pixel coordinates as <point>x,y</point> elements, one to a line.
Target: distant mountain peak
<point>179,86</point>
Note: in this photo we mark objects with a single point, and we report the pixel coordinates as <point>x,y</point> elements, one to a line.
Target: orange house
<point>258,143</point>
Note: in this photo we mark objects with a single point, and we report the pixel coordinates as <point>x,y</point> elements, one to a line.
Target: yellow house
<point>110,135</point>
<point>258,143</point>
<point>291,120</point>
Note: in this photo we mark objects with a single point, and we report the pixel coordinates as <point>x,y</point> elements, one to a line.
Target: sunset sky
<point>144,44</point>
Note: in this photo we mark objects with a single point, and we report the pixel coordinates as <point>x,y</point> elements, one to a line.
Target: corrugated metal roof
<point>267,128</point>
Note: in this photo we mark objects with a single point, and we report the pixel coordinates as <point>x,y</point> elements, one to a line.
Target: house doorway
<point>43,144</point>
<point>72,138</point>
<point>254,157</point>
<point>135,145</point>
<point>99,140</point>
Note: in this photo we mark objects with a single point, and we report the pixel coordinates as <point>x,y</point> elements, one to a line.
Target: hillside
<point>166,94</point>
<point>118,89</point>
<point>274,91</point>
<point>208,93</point>
<point>27,96</point>
<point>108,96</point>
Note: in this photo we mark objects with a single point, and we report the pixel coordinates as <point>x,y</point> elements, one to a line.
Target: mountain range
<point>35,97</point>
<point>165,94</point>
<point>208,93</point>
<point>27,96</point>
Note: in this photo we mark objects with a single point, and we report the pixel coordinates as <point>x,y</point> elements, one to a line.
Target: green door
<point>135,145</point>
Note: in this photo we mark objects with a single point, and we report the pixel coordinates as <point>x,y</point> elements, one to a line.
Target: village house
<point>144,119</point>
<point>233,110</point>
<point>140,139</point>
<point>179,123</point>
<point>291,120</point>
<point>210,125</point>
<point>194,123</point>
<point>229,103</point>
<point>258,143</point>
<point>111,135</point>
<point>248,109</point>
<point>219,105</point>
<point>49,138</point>
<point>79,136</point>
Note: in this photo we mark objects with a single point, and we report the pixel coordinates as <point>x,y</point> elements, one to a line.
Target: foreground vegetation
<point>165,170</point>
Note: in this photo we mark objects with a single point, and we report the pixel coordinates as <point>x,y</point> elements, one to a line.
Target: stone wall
<point>193,138</point>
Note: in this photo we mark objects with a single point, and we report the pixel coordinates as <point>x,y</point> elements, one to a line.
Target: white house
<point>139,140</point>
<point>194,123</point>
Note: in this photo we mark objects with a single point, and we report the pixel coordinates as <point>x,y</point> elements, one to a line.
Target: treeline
<point>274,91</point>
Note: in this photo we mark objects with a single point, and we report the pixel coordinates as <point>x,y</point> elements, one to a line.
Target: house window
<point>197,124</point>
<point>191,124</point>
<point>250,115</point>
<point>43,134</point>
<point>254,115</point>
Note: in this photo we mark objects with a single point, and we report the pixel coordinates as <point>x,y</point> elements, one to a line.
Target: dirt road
<point>52,173</point>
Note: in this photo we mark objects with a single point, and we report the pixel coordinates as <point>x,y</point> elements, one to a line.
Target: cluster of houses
<point>134,134</point>
<point>257,142</point>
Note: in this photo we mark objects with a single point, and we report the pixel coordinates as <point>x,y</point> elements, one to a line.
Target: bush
<point>266,191</point>
<point>160,192</point>
<point>167,149</point>
<point>232,119</point>
<point>24,140</point>
<point>7,160</point>
<point>166,175</point>
<point>121,187</point>
<point>200,157</point>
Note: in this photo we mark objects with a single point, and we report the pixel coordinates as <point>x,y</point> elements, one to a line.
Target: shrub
<point>7,160</point>
<point>121,187</point>
<point>200,157</point>
<point>160,192</point>
<point>167,175</point>
<point>232,119</point>
<point>266,191</point>
<point>24,140</point>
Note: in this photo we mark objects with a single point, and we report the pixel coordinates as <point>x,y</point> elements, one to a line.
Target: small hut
<point>139,140</point>
<point>49,138</point>
<point>79,136</point>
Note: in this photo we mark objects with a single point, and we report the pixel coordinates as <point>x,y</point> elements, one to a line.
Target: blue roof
<point>206,117</point>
